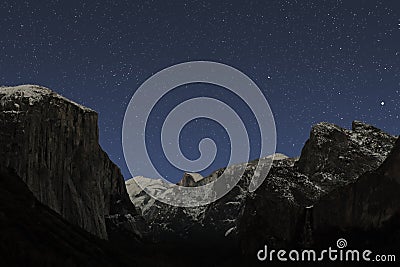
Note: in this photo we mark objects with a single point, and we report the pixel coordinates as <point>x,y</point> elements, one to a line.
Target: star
<point>327,64</point>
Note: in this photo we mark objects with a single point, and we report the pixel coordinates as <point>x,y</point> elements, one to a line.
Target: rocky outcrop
<point>334,156</point>
<point>190,179</point>
<point>52,144</point>
<point>290,208</point>
<point>343,165</point>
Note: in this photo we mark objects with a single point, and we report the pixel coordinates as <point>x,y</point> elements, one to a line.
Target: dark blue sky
<point>315,61</point>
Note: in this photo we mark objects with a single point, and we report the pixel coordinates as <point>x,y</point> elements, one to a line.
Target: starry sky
<point>333,61</point>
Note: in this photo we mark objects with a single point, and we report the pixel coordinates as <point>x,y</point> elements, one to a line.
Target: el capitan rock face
<point>52,144</point>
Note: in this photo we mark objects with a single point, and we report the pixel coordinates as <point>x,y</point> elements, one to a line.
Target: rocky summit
<point>58,185</point>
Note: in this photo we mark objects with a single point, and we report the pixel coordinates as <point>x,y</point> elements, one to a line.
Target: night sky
<point>315,61</point>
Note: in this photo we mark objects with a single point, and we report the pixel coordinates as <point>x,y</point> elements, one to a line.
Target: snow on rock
<point>331,158</point>
<point>138,186</point>
<point>335,156</point>
<point>229,231</point>
<point>32,94</point>
<point>278,156</point>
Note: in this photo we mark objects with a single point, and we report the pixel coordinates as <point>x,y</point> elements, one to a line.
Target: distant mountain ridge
<point>333,160</point>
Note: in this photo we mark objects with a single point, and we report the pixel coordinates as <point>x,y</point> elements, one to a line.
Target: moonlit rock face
<point>52,144</point>
<point>27,90</point>
<point>32,93</point>
<point>332,158</point>
<point>190,179</point>
<point>196,176</point>
<point>137,192</point>
<point>151,184</point>
<point>278,156</point>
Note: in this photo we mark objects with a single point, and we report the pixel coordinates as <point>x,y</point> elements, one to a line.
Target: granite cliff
<point>52,144</point>
<point>343,167</point>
